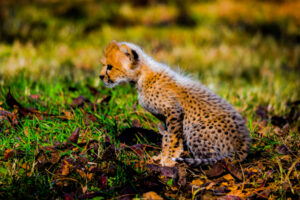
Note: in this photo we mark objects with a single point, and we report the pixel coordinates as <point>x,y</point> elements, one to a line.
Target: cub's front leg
<point>172,144</point>
<point>165,144</point>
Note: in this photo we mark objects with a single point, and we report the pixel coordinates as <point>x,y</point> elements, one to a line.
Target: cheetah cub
<point>211,127</point>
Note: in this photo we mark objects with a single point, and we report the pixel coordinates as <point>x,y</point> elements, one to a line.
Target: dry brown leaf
<point>216,170</point>
<point>74,136</point>
<point>65,168</point>
<point>9,153</point>
<point>235,171</point>
<point>84,189</point>
<point>68,114</point>
<point>90,176</point>
<point>197,182</point>
<point>136,123</point>
<point>282,149</point>
<point>81,173</point>
<point>220,191</point>
<point>26,131</point>
<point>68,197</point>
<point>210,185</point>
<point>228,177</point>
<point>152,196</point>
<point>79,101</point>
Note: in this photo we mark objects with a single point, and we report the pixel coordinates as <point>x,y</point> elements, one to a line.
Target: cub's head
<point>120,63</point>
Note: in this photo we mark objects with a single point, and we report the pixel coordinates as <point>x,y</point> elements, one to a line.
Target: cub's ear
<point>125,49</point>
<point>112,45</point>
<point>132,54</point>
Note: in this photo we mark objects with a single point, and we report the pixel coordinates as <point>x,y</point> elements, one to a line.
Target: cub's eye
<point>109,67</point>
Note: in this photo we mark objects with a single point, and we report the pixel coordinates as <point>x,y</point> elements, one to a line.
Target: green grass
<point>249,69</point>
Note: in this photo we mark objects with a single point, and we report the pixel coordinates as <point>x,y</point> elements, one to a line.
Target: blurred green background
<point>251,46</point>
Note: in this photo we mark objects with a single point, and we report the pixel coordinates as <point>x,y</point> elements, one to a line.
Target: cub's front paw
<point>168,162</point>
<point>156,158</point>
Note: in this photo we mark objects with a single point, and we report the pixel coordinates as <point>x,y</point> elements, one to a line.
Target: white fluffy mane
<point>178,75</point>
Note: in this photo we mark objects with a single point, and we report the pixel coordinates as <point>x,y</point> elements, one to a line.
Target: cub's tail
<point>201,161</point>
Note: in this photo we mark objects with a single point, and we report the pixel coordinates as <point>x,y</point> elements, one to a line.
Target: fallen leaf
<point>216,170</point>
<point>261,111</point>
<point>47,156</point>
<point>136,123</point>
<point>82,173</point>
<point>102,181</point>
<point>220,191</point>
<point>164,174</point>
<point>68,197</point>
<point>8,153</point>
<point>233,170</point>
<point>65,168</point>
<point>12,102</point>
<point>26,131</point>
<point>74,136</point>
<point>171,172</point>
<point>282,149</point>
<point>209,185</point>
<point>151,196</point>
<point>84,189</point>
<point>228,177</point>
<point>68,114</point>
<point>138,150</point>
<point>286,158</point>
<point>249,172</point>
<point>278,131</point>
<point>79,101</point>
<point>90,176</point>
<point>91,117</point>
<point>197,182</point>
<point>153,167</point>
<point>182,173</point>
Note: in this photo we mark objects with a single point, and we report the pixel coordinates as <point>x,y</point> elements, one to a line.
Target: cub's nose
<point>101,77</point>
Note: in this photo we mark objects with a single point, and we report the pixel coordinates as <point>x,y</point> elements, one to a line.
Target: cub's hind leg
<point>204,143</point>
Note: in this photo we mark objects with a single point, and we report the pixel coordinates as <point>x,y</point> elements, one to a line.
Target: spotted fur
<point>211,127</point>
